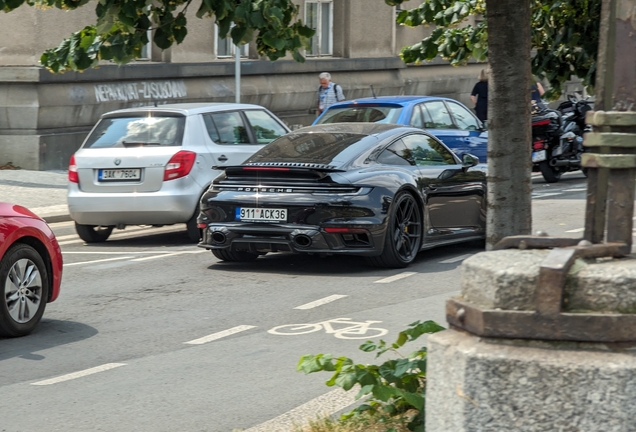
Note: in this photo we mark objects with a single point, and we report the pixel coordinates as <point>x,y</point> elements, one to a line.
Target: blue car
<point>450,121</point>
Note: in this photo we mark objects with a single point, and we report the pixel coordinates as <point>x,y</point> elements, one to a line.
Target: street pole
<point>237,72</point>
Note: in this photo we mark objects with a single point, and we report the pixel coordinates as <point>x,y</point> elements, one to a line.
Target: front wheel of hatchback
<point>24,283</point>
<point>93,233</point>
<point>403,235</point>
<point>231,256</point>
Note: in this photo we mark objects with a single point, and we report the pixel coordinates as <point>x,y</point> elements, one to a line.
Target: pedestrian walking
<point>479,96</point>
<point>328,93</point>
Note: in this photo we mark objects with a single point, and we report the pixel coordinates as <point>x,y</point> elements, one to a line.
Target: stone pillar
<point>498,384</point>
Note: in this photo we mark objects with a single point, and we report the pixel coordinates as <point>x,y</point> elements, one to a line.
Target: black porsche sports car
<point>377,190</point>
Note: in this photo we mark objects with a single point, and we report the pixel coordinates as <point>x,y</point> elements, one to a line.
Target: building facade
<point>44,117</point>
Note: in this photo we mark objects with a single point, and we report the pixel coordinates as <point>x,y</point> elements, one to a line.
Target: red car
<point>30,269</point>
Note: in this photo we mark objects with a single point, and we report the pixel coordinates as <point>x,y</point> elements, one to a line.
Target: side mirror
<point>469,160</point>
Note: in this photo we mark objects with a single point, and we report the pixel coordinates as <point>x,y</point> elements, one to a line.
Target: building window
<point>319,16</point>
<point>225,46</point>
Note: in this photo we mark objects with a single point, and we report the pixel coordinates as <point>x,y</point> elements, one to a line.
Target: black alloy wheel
<point>403,234</point>
<point>24,284</point>
<point>550,174</point>
<point>92,233</point>
<point>234,256</point>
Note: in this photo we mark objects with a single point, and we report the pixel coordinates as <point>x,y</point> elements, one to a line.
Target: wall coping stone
<point>507,280</point>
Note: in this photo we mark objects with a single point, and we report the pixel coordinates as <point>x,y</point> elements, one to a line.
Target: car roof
<point>400,100</point>
<point>187,108</point>
<point>355,128</point>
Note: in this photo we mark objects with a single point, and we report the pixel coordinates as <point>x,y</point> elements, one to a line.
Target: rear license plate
<point>248,214</point>
<point>119,174</point>
<point>538,156</point>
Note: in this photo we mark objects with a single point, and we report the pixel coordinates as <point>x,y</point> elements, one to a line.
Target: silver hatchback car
<point>150,165</point>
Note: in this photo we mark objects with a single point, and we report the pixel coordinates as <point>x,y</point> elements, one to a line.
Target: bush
<point>396,388</point>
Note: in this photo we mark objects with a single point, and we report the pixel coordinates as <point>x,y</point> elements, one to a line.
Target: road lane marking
<point>575,190</point>
<point>166,255</point>
<point>395,277</point>
<point>79,374</point>
<point>545,195</point>
<point>320,302</point>
<point>97,261</point>
<point>455,259</point>
<point>326,404</point>
<point>576,230</point>
<point>99,252</point>
<point>219,335</point>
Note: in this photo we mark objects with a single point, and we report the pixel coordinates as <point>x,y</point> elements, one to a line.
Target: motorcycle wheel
<point>550,174</point>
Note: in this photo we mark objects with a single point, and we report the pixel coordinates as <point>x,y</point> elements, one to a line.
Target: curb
<point>57,218</point>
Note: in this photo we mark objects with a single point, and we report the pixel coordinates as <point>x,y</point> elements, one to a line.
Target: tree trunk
<point>510,136</point>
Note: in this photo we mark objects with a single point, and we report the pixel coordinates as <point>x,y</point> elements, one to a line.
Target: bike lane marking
<point>219,335</point>
<point>395,277</point>
<point>79,374</point>
<point>321,301</point>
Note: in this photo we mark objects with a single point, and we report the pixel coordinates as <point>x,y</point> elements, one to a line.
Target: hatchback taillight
<point>179,165</point>
<point>72,171</point>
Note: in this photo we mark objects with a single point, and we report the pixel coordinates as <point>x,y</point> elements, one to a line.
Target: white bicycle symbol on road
<point>353,330</point>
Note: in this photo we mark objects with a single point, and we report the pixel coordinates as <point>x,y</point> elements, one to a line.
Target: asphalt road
<point>151,333</point>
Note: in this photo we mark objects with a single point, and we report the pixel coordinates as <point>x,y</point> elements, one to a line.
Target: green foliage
<point>564,36</point>
<point>122,26</point>
<point>395,387</point>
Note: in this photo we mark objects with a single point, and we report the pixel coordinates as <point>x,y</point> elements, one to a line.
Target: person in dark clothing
<point>479,96</point>
<point>537,92</point>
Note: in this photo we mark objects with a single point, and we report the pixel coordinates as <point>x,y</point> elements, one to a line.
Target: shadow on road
<point>48,334</point>
<point>344,265</point>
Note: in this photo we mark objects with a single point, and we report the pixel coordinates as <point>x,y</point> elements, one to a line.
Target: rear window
<point>369,114</point>
<point>318,147</point>
<point>137,131</point>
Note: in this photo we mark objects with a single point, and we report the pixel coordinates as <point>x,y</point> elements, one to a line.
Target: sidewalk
<point>42,192</point>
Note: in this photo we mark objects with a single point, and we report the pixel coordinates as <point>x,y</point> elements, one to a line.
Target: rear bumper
<point>257,238</point>
<point>151,208</point>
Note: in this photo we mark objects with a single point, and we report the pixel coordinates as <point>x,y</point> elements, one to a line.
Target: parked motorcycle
<point>557,138</point>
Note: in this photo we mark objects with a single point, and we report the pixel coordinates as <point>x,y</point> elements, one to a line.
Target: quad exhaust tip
<point>218,237</point>
<point>302,241</point>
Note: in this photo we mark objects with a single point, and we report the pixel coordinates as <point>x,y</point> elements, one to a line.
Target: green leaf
<point>416,400</point>
<point>383,392</point>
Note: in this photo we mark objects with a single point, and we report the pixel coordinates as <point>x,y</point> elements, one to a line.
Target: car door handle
<point>222,158</point>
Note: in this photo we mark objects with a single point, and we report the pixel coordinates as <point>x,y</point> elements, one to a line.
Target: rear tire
<point>403,234</point>
<point>230,256</point>
<point>550,174</point>
<point>24,283</point>
<point>93,233</point>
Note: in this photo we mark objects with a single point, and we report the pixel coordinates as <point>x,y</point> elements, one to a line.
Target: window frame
<point>232,48</point>
<point>319,26</point>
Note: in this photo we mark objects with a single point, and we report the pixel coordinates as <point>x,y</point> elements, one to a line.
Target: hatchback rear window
<point>370,114</point>
<point>137,131</point>
<point>319,148</point>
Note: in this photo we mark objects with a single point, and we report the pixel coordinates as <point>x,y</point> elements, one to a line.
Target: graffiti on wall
<point>140,91</point>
